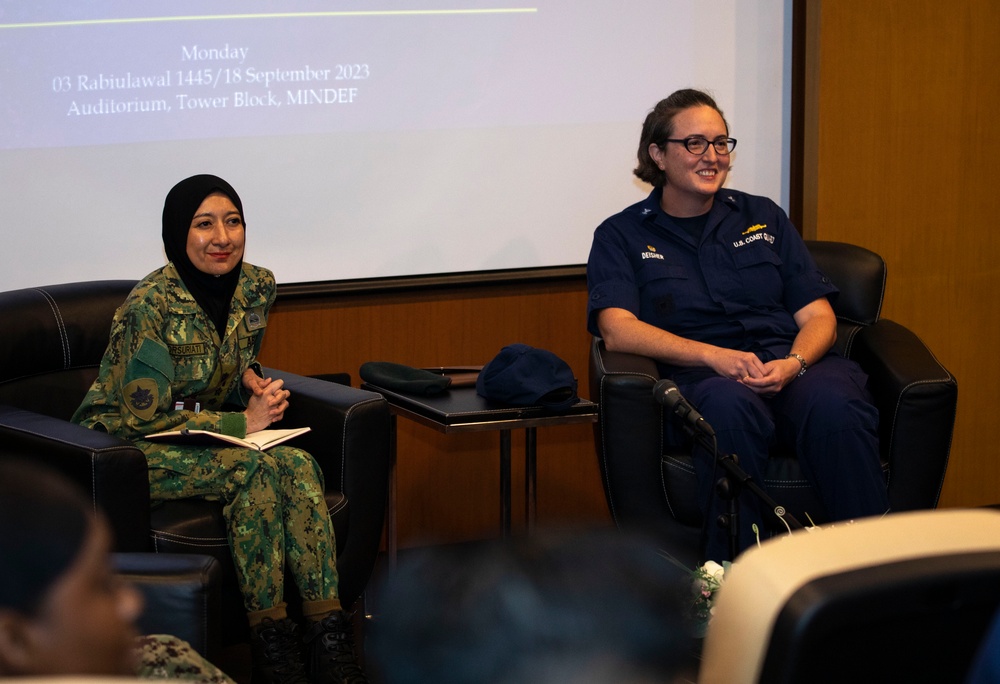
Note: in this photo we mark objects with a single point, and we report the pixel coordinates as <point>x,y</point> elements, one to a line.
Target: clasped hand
<point>766,379</point>
<point>268,402</point>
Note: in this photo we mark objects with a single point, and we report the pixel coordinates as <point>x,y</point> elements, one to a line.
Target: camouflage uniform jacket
<point>162,656</point>
<point>164,350</point>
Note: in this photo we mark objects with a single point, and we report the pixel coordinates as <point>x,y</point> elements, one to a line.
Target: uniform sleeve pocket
<point>147,379</point>
<point>152,356</point>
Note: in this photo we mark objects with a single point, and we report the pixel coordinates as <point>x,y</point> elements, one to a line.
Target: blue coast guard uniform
<point>736,283</point>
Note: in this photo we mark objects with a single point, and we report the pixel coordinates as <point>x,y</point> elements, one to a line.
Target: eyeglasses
<point>696,144</point>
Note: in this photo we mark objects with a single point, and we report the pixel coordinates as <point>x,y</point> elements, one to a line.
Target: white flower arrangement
<point>708,580</point>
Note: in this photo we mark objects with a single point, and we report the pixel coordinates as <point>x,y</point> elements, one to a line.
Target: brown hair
<point>659,125</point>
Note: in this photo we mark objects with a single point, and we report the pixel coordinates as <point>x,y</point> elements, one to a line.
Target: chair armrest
<point>112,470</point>
<point>182,594</point>
<point>622,385</point>
<point>350,441</point>
<point>917,399</point>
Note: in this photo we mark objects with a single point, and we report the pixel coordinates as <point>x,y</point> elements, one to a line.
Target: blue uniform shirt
<point>738,287</point>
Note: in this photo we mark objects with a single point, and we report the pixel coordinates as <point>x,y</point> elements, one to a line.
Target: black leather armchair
<point>648,474</point>
<point>181,594</point>
<point>53,341</point>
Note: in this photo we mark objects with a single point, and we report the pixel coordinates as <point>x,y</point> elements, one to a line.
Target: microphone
<point>665,392</point>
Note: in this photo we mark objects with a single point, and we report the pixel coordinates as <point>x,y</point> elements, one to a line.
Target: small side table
<point>462,410</point>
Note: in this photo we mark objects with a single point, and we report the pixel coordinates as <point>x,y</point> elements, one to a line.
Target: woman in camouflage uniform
<point>183,349</point>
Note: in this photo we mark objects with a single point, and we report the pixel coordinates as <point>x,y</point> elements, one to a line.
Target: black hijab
<point>213,293</point>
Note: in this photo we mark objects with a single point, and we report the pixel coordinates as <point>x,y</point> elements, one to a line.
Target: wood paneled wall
<point>448,485</point>
<point>901,156</point>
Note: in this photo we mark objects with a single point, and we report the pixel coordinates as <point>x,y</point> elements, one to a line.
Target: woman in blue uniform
<point>718,287</point>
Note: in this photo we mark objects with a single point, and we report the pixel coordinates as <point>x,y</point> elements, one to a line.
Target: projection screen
<point>368,140</point>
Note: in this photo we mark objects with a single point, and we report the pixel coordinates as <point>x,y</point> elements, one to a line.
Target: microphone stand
<point>736,478</point>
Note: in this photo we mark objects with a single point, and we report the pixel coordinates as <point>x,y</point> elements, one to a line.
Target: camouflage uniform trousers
<point>274,508</point>
<point>162,656</point>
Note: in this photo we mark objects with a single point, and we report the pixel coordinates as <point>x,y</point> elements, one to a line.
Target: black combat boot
<point>330,651</point>
<point>277,653</point>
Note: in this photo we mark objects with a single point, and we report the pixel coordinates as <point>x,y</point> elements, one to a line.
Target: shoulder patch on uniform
<point>141,397</point>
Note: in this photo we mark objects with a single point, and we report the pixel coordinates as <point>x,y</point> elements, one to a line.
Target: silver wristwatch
<point>801,360</point>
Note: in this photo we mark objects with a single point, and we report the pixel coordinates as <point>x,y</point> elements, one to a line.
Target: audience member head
<point>583,607</point>
<point>659,125</point>
<point>62,611</point>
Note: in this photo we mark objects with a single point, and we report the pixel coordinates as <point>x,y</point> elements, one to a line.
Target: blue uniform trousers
<point>825,417</point>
